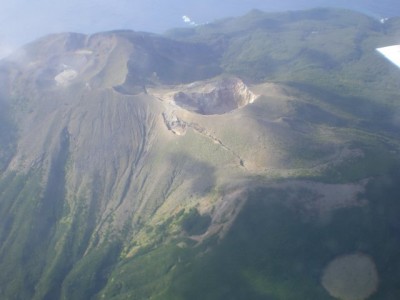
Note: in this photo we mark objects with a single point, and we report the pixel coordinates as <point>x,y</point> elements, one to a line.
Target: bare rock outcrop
<point>173,123</point>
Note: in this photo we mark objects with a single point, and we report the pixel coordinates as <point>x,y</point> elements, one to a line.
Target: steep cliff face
<point>125,151</point>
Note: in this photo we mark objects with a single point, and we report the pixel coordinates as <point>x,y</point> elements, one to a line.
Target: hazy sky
<point>22,21</point>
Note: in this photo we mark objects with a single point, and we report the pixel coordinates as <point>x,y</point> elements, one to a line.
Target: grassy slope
<point>272,252</point>
<point>8,135</point>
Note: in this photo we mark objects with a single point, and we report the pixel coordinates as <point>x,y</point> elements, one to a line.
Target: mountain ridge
<point>127,156</point>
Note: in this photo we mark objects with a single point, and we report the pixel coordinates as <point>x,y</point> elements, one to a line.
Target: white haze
<point>22,21</point>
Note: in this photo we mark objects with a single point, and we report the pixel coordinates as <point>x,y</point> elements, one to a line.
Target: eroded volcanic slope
<point>126,155</point>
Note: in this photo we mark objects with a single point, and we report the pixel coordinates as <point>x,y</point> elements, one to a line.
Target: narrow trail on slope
<point>201,130</point>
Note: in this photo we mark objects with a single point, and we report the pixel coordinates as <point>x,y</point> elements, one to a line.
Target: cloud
<point>189,21</point>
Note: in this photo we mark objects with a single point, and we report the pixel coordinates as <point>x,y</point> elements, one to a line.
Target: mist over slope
<point>141,166</point>
<point>22,22</point>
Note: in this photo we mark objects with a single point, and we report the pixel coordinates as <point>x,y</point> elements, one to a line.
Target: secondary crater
<point>214,97</point>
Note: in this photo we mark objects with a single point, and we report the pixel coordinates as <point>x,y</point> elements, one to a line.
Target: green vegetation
<point>333,50</point>
<point>20,253</point>
<point>339,125</point>
<point>274,253</point>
